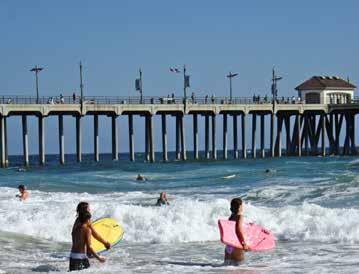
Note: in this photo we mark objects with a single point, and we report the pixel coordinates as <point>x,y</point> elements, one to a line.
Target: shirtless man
<point>81,244</point>
<point>23,193</point>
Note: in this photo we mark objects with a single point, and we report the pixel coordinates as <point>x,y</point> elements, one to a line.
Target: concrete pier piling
<point>78,139</point>
<point>254,131</point>
<point>164,138</point>
<point>225,152</point>
<point>195,137</point>
<point>114,139</point>
<point>263,153</point>
<point>214,138</point>
<point>183,138</point>
<point>25,140</point>
<point>244,144</point>
<point>178,138</point>
<point>206,136</point>
<point>2,141</point>
<point>96,140</point>
<point>235,136</point>
<point>131,138</point>
<point>61,140</point>
<point>41,134</point>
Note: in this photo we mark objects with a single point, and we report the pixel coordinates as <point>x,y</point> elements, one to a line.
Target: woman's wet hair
<point>84,217</point>
<point>82,207</point>
<point>235,205</point>
<point>21,187</point>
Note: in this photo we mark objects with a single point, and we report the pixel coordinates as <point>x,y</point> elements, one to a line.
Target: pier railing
<point>13,99</point>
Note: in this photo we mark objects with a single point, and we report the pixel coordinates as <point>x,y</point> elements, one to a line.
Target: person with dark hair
<point>23,193</point>
<point>84,207</point>
<point>234,255</point>
<point>162,200</point>
<point>81,244</point>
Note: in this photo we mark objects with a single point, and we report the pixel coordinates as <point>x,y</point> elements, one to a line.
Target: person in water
<point>140,177</point>
<point>234,255</point>
<point>23,193</point>
<point>84,207</point>
<point>81,243</point>
<point>162,200</point>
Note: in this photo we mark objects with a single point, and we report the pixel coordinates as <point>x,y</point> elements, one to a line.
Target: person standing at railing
<point>74,97</point>
<point>62,100</point>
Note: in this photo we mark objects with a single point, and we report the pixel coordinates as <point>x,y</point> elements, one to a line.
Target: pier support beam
<point>254,131</point>
<point>206,136</point>
<point>6,146</point>
<point>279,135</point>
<point>352,134</point>
<point>244,144</point>
<point>178,138</point>
<point>225,131</point>
<point>299,140</point>
<point>2,141</point>
<point>131,138</point>
<point>235,136</point>
<point>323,120</point>
<point>195,136</point>
<point>183,138</point>
<point>96,138</point>
<point>272,135</point>
<point>61,139</point>
<point>214,147</point>
<point>287,133</point>
<point>151,139</point>
<point>78,139</point>
<point>164,138</point>
<point>25,141</point>
<point>147,139</point>
<point>41,128</point>
<point>263,153</point>
<point>114,137</point>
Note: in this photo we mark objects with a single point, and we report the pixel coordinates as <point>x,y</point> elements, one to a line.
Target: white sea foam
<point>50,216</point>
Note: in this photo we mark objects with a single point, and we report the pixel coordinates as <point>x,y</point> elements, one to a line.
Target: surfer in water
<point>82,208</point>
<point>81,243</point>
<point>140,178</point>
<point>233,255</point>
<point>162,200</point>
<point>23,193</point>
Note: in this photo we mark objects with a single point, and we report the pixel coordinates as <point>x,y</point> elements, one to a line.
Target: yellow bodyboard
<point>109,230</point>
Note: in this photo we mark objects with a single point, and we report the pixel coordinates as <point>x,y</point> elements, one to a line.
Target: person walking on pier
<point>74,97</point>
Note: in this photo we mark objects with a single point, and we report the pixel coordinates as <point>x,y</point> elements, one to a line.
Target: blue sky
<point>114,38</point>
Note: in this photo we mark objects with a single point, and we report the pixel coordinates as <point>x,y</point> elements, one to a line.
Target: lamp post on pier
<point>230,76</point>
<point>81,88</point>
<point>138,86</point>
<point>36,69</point>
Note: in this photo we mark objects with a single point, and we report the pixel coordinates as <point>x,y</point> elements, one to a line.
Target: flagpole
<point>141,94</point>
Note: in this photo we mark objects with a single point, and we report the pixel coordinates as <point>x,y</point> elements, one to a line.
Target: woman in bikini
<point>234,255</point>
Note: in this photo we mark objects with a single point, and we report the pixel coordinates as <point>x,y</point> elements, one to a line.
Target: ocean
<point>310,204</point>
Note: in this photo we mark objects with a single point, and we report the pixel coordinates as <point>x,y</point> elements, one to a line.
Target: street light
<point>37,69</point>
<point>230,76</point>
<point>275,79</point>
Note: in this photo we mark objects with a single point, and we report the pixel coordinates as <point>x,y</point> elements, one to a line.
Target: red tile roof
<point>325,82</point>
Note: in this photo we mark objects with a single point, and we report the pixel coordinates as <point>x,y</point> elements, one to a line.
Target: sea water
<point>310,204</point>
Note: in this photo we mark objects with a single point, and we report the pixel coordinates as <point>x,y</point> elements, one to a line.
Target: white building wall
<point>329,96</point>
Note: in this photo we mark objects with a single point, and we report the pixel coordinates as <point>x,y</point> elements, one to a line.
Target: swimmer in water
<point>234,255</point>
<point>140,178</point>
<point>23,193</point>
<point>81,243</point>
<point>162,200</point>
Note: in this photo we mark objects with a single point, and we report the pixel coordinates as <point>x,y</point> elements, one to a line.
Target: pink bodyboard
<point>256,237</point>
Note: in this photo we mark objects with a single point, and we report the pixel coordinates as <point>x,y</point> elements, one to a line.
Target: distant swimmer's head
<point>267,171</point>
<point>21,188</point>
<point>236,205</point>
<point>83,207</point>
<point>84,217</point>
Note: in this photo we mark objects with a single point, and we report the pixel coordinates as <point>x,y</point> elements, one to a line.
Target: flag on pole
<point>176,70</point>
<point>186,81</point>
<point>138,84</point>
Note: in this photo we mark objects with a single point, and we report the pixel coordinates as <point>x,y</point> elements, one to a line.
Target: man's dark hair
<point>21,187</point>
